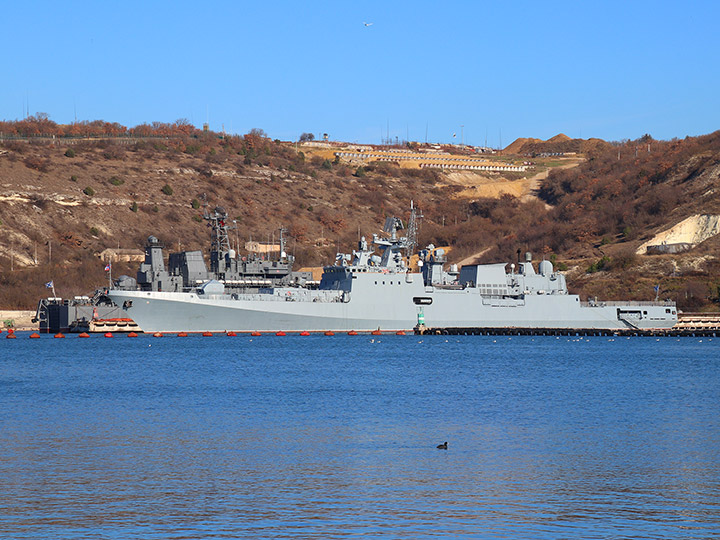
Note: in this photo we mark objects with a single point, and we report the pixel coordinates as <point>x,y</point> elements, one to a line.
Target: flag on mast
<point>49,285</point>
<point>108,267</point>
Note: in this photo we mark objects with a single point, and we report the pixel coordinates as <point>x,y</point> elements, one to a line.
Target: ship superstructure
<point>186,270</point>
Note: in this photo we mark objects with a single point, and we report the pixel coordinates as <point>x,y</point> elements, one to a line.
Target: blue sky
<point>502,70</point>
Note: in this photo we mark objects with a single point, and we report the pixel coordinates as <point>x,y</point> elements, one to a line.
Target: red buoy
<point>400,333</point>
<point>83,334</point>
<point>182,334</point>
<point>157,334</point>
<point>207,334</point>
<point>58,335</point>
<point>34,335</point>
<point>304,333</point>
<point>231,334</point>
<point>280,333</point>
<point>108,334</point>
<point>132,334</point>
<point>255,334</point>
<point>329,333</point>
<point>376,332</point>
<point>10,336</point>
<point>352,333</point>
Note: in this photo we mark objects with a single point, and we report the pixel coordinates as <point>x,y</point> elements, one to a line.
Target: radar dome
<point>545,267</point>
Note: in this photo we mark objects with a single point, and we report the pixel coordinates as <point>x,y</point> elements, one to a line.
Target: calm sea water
<point>335,437</point>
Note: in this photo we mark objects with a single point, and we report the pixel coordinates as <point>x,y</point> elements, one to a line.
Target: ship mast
<point>413,228</point>
<point>219,239</point>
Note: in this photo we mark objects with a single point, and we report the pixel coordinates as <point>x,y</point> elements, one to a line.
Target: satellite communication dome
<point>545,267</point>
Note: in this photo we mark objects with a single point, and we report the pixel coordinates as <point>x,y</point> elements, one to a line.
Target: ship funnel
<point>528,256</point>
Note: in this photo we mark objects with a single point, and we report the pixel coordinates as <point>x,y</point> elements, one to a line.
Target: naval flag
<point>49,285</point>
<point>108,267</point>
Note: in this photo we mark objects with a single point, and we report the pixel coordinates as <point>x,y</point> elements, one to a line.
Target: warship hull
<point>396,305</point>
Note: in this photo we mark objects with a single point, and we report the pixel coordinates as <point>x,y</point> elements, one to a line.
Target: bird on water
<point>442,446</point>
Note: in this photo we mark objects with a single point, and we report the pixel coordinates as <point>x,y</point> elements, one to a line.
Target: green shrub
<point>155,208</point>
<point>89,191</point>
<point>195,204</point>
<point>73,178</point>
<point>69,152</point>
<point>360,172</point>
<point>167,190</point>
<point>134,206</point>
<point>197,218</point>
<point>115,181</point>
<point>326,164</point>
<point>601,264</point>
<point>94,231</point>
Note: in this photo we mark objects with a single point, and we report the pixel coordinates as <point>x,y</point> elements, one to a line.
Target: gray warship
<point>374,287</point>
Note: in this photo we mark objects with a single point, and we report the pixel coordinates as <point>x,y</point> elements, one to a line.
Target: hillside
<point>559,144</point>
<point>590,216</point>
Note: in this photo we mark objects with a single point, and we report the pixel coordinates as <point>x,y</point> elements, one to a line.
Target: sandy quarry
<point>692,230</point>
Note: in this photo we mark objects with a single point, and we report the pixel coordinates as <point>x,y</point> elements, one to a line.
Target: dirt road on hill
<point>477,185</point>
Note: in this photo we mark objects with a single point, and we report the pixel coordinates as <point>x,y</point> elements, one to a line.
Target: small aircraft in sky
<point>368,23</point>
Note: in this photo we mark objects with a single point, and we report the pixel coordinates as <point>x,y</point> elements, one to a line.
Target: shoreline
<point>21,319</point>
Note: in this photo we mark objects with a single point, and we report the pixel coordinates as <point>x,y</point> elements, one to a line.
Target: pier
<point>620,332</point>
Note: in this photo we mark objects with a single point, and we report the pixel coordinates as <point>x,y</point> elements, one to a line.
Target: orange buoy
<point>352,333</point>
<point>83,334</point>
<point>231,334</point>
<point>207,334</point>
<point>329,333</point>
<point>400,333</point>
<point>58,335</point>
<point>132,334</point>
<point>11,336</point>
<point>280,333</point>
<point>157,334</point>
<point>304,333</point>
<point>182,334</point>
<point>255,334</point>
<point>34,335</point>
<point>108,334</point>
<point>376,332</point>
